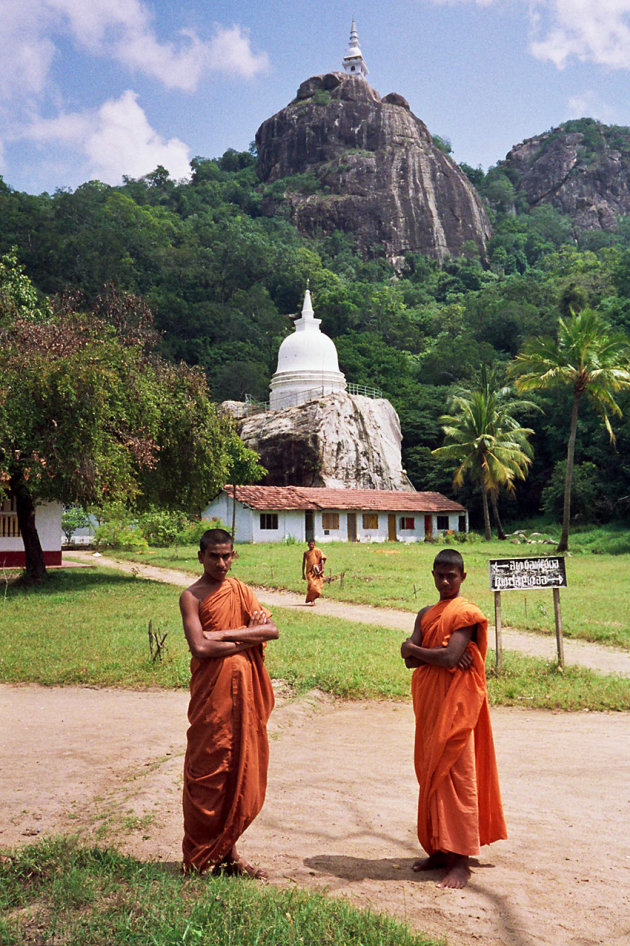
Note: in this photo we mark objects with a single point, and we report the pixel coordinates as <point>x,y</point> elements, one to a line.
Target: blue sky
<point>94,89</point>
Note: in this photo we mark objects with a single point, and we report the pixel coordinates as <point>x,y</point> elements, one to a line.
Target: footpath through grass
<point>595,606</point>
<point>90,627</point>
<point>58,892</point>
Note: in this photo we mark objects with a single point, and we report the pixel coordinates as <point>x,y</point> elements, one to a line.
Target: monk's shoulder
<point>465,613</point>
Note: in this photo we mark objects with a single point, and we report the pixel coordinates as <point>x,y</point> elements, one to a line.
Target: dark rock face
<point>341,440</point>
<point>373,171</point>
<point>582,168</point>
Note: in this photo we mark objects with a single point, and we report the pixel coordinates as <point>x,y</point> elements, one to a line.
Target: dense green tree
<point>89,413</point>
<point>487,442</point>
<point>588,358</point>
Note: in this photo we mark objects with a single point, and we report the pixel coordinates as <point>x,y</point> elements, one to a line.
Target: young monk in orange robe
<point>460,803</point>
<point>225,769</point>
<point>313,571</point>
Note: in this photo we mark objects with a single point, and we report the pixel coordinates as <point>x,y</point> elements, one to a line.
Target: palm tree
<point>484,437</point>
<point>589,358</point>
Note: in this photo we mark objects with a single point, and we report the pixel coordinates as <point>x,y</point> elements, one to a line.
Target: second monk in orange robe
<point>313,571</point>
<point>460,803</point>
<point>225,769</point>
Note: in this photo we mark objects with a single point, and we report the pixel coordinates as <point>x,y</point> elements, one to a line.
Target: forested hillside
<point>221,279</point>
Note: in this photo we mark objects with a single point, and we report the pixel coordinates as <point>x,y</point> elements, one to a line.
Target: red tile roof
<point>312,497</point>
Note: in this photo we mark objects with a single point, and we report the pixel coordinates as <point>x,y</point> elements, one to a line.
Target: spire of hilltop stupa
<point>353,61</point>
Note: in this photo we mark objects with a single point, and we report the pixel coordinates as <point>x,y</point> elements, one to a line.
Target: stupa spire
<point>353,61</point>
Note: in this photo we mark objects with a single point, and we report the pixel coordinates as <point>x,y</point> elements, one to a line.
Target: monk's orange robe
<point>313,571</point>
<point>225,769</point>
<point>459,807</point>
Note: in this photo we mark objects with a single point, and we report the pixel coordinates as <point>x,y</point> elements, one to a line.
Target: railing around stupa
<point>303,397</point>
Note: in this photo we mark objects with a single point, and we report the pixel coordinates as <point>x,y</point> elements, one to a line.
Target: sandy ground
<point>340,809</point>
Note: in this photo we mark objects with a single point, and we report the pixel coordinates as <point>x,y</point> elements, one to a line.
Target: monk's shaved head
<point>449,557</point>
<point>214,537</point>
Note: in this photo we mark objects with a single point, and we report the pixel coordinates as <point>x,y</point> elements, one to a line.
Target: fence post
<point>497,630</point>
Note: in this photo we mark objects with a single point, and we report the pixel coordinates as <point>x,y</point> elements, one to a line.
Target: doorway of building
<point>309,525</point>
<point>428,527</point>
<point>391,527</point>
<point>352,527</point>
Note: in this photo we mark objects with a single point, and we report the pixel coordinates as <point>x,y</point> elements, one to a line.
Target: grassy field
<point>57,892</point>
<point>91,627</point>
<point>595,605</point>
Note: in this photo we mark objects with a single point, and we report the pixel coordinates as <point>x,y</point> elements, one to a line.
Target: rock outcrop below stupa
<point>350,160</point>
<point>341,440</point>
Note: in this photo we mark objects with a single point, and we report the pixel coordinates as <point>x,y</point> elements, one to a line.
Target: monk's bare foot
<point>435,860</point>
<point>458,872</point>
<point>234,866</point>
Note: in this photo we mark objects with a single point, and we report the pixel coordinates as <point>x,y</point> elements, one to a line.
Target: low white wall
<point>48,524</point>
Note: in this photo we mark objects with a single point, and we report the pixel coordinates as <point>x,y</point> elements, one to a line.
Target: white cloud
<point>33,32</point>
<point>113,141</point>
<point>588,104</point>
<point>589,30</point>
<point>595,31</point>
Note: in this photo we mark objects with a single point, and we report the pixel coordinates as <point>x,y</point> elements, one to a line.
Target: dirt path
<point>583,653</point>
<point>340,809</point>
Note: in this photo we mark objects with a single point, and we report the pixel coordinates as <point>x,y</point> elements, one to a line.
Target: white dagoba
<point>307,364</point>
<point>353,61</point>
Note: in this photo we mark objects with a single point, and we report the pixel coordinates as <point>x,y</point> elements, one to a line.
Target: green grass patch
<point>595,606</point>
<point>59,892</point>
<point>91,627</point>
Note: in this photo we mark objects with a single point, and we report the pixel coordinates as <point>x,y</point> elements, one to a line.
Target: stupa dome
<point>307,363</point>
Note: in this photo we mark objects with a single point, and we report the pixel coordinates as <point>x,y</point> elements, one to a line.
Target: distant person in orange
<point>225,768</point>
<point>459,807</point>
<point>313,571</point>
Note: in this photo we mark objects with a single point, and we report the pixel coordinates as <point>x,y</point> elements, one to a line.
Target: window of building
<point>370,520</point>
<point>9,528</point>
<point>269,520</point>
<point>442,522</point>
<point>330,520</point>
<point>406,523</point>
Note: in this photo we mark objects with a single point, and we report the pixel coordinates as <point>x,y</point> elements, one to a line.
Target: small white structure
<point>307,364</point>
<point>353,61</point>
<point>276,513</point>
<point>48,524</point>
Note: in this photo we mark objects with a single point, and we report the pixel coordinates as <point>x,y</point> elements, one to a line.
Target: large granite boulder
<point>582,168</point>
<point>368,167</point>
<point>340,440</point>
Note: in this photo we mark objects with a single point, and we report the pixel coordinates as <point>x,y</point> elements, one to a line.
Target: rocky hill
<point>582,168</point>
<point>341,440</point>
<point>347,159</point>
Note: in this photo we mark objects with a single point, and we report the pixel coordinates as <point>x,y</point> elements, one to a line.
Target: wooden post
<point>558,615</point>
<point>497,629</point>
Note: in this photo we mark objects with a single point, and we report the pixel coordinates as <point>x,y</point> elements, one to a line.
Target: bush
<point>73,518</point>
<point>116,534</point>
<point>195,528</point>
<point>162,527</point>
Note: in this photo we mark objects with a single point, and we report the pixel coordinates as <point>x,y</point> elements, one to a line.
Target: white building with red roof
<point>276,513</point>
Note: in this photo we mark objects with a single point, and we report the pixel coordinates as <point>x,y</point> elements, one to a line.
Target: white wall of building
<point>48,524</point>
<point>291,523</point>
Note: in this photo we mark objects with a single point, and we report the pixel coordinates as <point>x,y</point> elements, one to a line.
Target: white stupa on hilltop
<point>353,61</point>
<point>307,364</point>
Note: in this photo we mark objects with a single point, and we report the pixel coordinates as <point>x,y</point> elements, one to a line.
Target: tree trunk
<point>486,515</point>
<point>25,508</point>
<point>563,545</point>
<point>495,512</point>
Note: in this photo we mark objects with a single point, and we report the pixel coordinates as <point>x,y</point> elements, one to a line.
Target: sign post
<point>524,574</point>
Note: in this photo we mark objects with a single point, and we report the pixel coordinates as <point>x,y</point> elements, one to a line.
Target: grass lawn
<point>595,605</point>
<point>91,627</point>
<point>58,892</point>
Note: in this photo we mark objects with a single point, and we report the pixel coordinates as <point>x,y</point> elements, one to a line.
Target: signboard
<point>525,574</point>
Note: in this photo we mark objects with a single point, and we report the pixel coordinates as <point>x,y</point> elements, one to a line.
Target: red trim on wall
<point>18,559</point>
